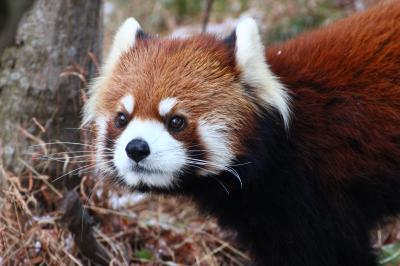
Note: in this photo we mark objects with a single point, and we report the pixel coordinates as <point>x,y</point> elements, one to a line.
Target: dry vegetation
<point>36,224</point>
<point>59,204</point>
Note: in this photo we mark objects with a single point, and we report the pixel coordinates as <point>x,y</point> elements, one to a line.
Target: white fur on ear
<point>124,40</point>
<point>250,56</point>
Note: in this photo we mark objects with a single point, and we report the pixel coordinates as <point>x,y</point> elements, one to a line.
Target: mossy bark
<point>52,36</point>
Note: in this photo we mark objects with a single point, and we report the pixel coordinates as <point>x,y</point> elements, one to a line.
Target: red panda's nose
<point>137,149</point>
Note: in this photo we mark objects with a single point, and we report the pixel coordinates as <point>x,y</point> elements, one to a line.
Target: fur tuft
<point>124,40</point>
<point>250,57</point>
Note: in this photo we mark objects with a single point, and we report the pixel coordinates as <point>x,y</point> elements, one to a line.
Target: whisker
<point>222,184</point>
<point>173,149</point>
<point>91,131</point>
<point>77,158</point>
<point>68,143</point>
<point>67,153</point>
<point>226,168</point>
<point>85,167</point>
<point>61,152</point>
<point>72,161</point>
<point>72,157</point>
<point>219,182</point>
<point>241,164</point>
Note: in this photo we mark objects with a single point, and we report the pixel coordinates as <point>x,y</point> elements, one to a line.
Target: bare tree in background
<point>43,70</point>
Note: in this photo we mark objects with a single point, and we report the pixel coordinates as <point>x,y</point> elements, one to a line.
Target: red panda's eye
<point>176,123</point>
<point>121,120</point>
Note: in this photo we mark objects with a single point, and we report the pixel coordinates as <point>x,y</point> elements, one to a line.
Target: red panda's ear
<point>250,58</point>
<point>124,39</point>
<point>230,40</point>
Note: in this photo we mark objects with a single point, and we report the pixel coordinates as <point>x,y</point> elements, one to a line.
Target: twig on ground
<point>80,223</point>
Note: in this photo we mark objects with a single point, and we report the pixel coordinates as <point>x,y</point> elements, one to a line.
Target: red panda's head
<point>164,107</point>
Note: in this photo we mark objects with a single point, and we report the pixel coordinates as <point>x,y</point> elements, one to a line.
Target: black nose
<point>137,149</point>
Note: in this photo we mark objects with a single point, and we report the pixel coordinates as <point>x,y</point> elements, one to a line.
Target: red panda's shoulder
<point>345,84</point>
<point>359,46</point>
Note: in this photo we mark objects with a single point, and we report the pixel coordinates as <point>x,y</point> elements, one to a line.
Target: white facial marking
<point>166,106</point>
<point>166,159</point>
<point>101,124</point>
<point>215,139</point>
<point>128,102</point>
<point>250,55</point>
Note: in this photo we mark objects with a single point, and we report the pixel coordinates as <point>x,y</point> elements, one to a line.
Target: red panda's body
<point>302,166</point>
<point>345,82</point>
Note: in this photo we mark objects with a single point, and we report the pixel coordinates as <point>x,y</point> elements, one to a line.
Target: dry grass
<point>132,229</point>
<point>144,230</point>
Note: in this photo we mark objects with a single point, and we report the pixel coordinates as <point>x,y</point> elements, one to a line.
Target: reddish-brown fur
<point>345,82</point>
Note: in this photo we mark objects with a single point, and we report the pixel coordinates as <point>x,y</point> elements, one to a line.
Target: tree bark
<point>11,12</point>
<point>43,71</point>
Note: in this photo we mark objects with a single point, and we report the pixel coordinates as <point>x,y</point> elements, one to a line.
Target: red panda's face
<point>166,107</point>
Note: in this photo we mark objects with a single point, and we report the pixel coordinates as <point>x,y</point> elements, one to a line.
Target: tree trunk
<point>43,72</point>
<point>11,12</point>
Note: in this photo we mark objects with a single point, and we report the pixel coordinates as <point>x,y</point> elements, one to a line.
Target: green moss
<point>304,20</point>
<point>183,8</point>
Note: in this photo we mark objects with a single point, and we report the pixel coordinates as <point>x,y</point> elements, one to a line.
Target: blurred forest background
<point>54,210</point>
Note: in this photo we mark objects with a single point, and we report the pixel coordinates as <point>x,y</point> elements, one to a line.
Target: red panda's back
<point>345,83</point>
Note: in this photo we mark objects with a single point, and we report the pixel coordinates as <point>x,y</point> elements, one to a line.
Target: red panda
<point>296,148</point>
